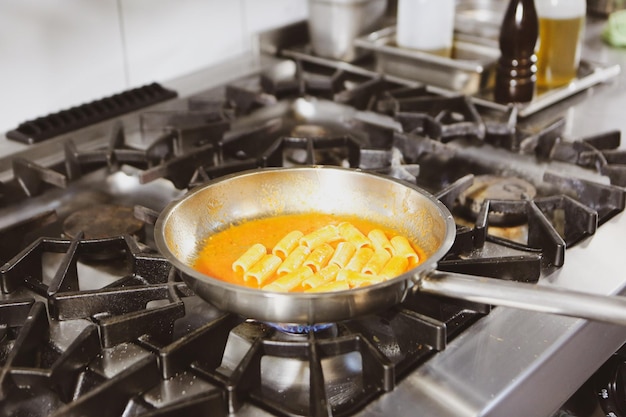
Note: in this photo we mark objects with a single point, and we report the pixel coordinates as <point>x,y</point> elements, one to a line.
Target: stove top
<point>92,314</point>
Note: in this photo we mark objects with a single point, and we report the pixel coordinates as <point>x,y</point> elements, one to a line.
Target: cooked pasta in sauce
<point>307,252</point>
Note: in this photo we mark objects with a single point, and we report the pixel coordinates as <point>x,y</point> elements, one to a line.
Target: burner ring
<point>492,187</point>
<point>102,221</point>
<point>297,329</point>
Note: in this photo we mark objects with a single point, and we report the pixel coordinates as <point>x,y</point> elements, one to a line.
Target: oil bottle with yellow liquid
<point>561,30</point>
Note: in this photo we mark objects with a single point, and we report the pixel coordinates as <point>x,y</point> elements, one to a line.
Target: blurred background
<point>56,54</point>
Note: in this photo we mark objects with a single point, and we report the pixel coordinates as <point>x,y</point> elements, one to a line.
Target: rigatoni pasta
<point>402,247</point>
<point>396,266</point>
<point>342,255</point>
<point>353,235</point>
<point>378,260</point>
<point>331,286</point>
<point>287,244</point>
<point>263,270</point>
<point>290,281</point>
<point>294,260</point>
<point>249,258</point>
<point>324,276</point>
<point>306,253</point>
<point>320,236</point>
<point>319,257</point>
<point>380,241</point>
<point>358,279</point>
<point>359,259</point>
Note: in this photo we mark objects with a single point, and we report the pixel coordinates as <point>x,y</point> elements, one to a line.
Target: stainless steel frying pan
<point>184,224</point>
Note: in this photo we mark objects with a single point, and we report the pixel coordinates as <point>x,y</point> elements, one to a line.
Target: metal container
<point>335,24</point>
<point>469,70</point>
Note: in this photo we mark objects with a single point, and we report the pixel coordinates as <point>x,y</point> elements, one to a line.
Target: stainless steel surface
<point>183,226</point>
<point>470,69</point>
<point>511,362</point>
<point>334,24</point>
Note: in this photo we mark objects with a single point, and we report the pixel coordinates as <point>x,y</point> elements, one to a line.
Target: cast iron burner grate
<point>599,152</point>
<point>145,345</point>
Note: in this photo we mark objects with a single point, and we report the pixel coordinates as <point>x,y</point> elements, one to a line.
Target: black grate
<point>42,128</point>
<point>144,345</point>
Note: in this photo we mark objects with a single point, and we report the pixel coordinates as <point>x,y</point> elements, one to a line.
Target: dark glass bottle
<point>517,66</point>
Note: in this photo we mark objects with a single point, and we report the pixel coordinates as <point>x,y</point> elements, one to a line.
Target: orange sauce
<point>220,250</point>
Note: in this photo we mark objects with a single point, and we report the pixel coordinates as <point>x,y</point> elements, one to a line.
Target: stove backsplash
<point>64,53</point>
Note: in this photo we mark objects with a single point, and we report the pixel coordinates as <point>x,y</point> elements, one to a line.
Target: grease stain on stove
<point>115,360</point>
<point>170,391</point>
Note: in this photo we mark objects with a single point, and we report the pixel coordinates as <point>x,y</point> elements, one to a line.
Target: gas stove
<point>94,321</point>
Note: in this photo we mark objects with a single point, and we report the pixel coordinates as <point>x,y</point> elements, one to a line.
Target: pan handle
<point>609,309</point>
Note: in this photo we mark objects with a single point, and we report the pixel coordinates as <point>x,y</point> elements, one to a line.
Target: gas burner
<point>333,371</point>
<point>219,361</point>
<point>491,187</point>
<point>301,329</point>
<point>102,221</point>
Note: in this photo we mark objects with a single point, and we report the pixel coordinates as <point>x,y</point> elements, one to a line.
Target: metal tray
<point>589,74</point>
<point>470,69</point>
<point>292,42</point>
